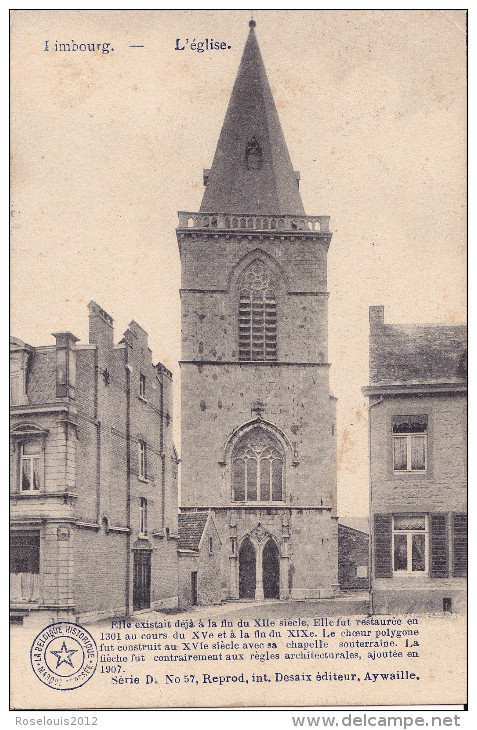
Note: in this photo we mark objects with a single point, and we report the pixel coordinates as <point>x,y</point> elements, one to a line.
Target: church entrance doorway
<point>271,571</point>
<point>247,570</point>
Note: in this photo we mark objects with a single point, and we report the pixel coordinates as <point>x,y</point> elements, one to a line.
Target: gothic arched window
<point>257,314</point>
<point>257,468</point>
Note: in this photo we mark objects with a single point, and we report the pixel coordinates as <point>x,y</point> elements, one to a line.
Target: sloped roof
<point>348,529</point>
<point>191,528</point>
<point>252,118</point>
<point>418,353</point>
<point>17,344</point>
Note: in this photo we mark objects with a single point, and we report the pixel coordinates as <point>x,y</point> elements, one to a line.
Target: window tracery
<point>257,468</point>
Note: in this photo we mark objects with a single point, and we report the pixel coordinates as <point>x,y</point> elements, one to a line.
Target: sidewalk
<point>355,602</point>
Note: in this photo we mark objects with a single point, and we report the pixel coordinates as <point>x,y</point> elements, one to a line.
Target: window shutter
<point>439,561</point>
<point>459,545</point>
<point>382,546</point>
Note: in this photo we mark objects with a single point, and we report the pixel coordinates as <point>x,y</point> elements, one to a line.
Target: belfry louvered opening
<point>257,315</point>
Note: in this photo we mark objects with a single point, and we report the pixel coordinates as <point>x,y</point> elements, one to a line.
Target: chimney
<point>65,364</point>
<point>101,330</point>
<point>376,316</point>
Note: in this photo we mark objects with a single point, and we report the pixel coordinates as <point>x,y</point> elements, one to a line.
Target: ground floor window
<point>434,544</point>
<point>25,565</point>
<point>25,552</point>
<point>410,544</point>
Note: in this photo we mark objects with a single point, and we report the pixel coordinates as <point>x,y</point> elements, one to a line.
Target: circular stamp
<point>64,655</point>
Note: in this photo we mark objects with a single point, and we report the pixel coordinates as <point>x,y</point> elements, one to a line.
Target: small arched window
<point>253,155</point>
<point>257,468</point>
<point>257,314</point>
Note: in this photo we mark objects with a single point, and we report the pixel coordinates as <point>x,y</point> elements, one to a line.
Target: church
<point>258,418</point>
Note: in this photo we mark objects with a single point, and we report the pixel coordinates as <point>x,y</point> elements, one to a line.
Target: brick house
<point>417,423</point>
<point>199,560</point>
<point>258,418</point>
<point>93,485</point>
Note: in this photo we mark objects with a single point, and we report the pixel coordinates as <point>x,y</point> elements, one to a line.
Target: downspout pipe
<point>98,436</point>
<point>371,522</point>
<point>128,481</point>
<point>161,448</point>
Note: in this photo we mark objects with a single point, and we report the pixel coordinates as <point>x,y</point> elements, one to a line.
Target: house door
<point>271,571</point>
<point>247,570</point>
<point>193,587</point>
<point>142,580</point>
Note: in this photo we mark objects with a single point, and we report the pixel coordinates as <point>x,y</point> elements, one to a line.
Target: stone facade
<point>257,416</point>
<point>93,477</point>
<point>417,421</point>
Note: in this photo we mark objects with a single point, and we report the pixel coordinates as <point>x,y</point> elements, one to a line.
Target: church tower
<point>258,419</point>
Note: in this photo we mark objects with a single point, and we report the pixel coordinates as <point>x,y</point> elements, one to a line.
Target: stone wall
<point>353,558</point>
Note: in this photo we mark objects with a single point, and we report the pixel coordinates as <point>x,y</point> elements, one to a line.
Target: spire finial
<point>252,172</point>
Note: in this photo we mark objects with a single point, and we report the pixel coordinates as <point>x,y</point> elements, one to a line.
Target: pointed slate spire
<point>252,171</point>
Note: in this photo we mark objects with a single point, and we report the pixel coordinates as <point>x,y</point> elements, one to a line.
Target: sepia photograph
<point>238,359</point>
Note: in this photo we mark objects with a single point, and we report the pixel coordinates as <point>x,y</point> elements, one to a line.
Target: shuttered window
<point>382,546</point>
<point>414,544</point>
<point>439,550</point>
<point>257,315</point>
<point>459,545</point>
<point>410,543</point>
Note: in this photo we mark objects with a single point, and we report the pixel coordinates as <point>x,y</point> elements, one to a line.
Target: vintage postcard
<point>238,359</point>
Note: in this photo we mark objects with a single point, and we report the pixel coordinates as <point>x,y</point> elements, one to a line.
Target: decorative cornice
<point>413,388</point>
<point>308,293</point>
<point>268,363</point>
<point>244,234</point>
<point>40,408</point>
<point>24,521</point>
<point>255,506</point>
<point>43,495</point>
<point>226,291</point>
<point>203,291</point>
<point>22,430</point>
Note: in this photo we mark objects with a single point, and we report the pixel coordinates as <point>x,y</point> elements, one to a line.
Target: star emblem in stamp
<point>64,656</point>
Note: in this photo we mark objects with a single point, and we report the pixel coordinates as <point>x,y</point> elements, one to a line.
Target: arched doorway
<point>247,570</point>
<point>271,570</point>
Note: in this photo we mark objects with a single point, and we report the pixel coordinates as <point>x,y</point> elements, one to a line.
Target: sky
<point>107,147</point>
